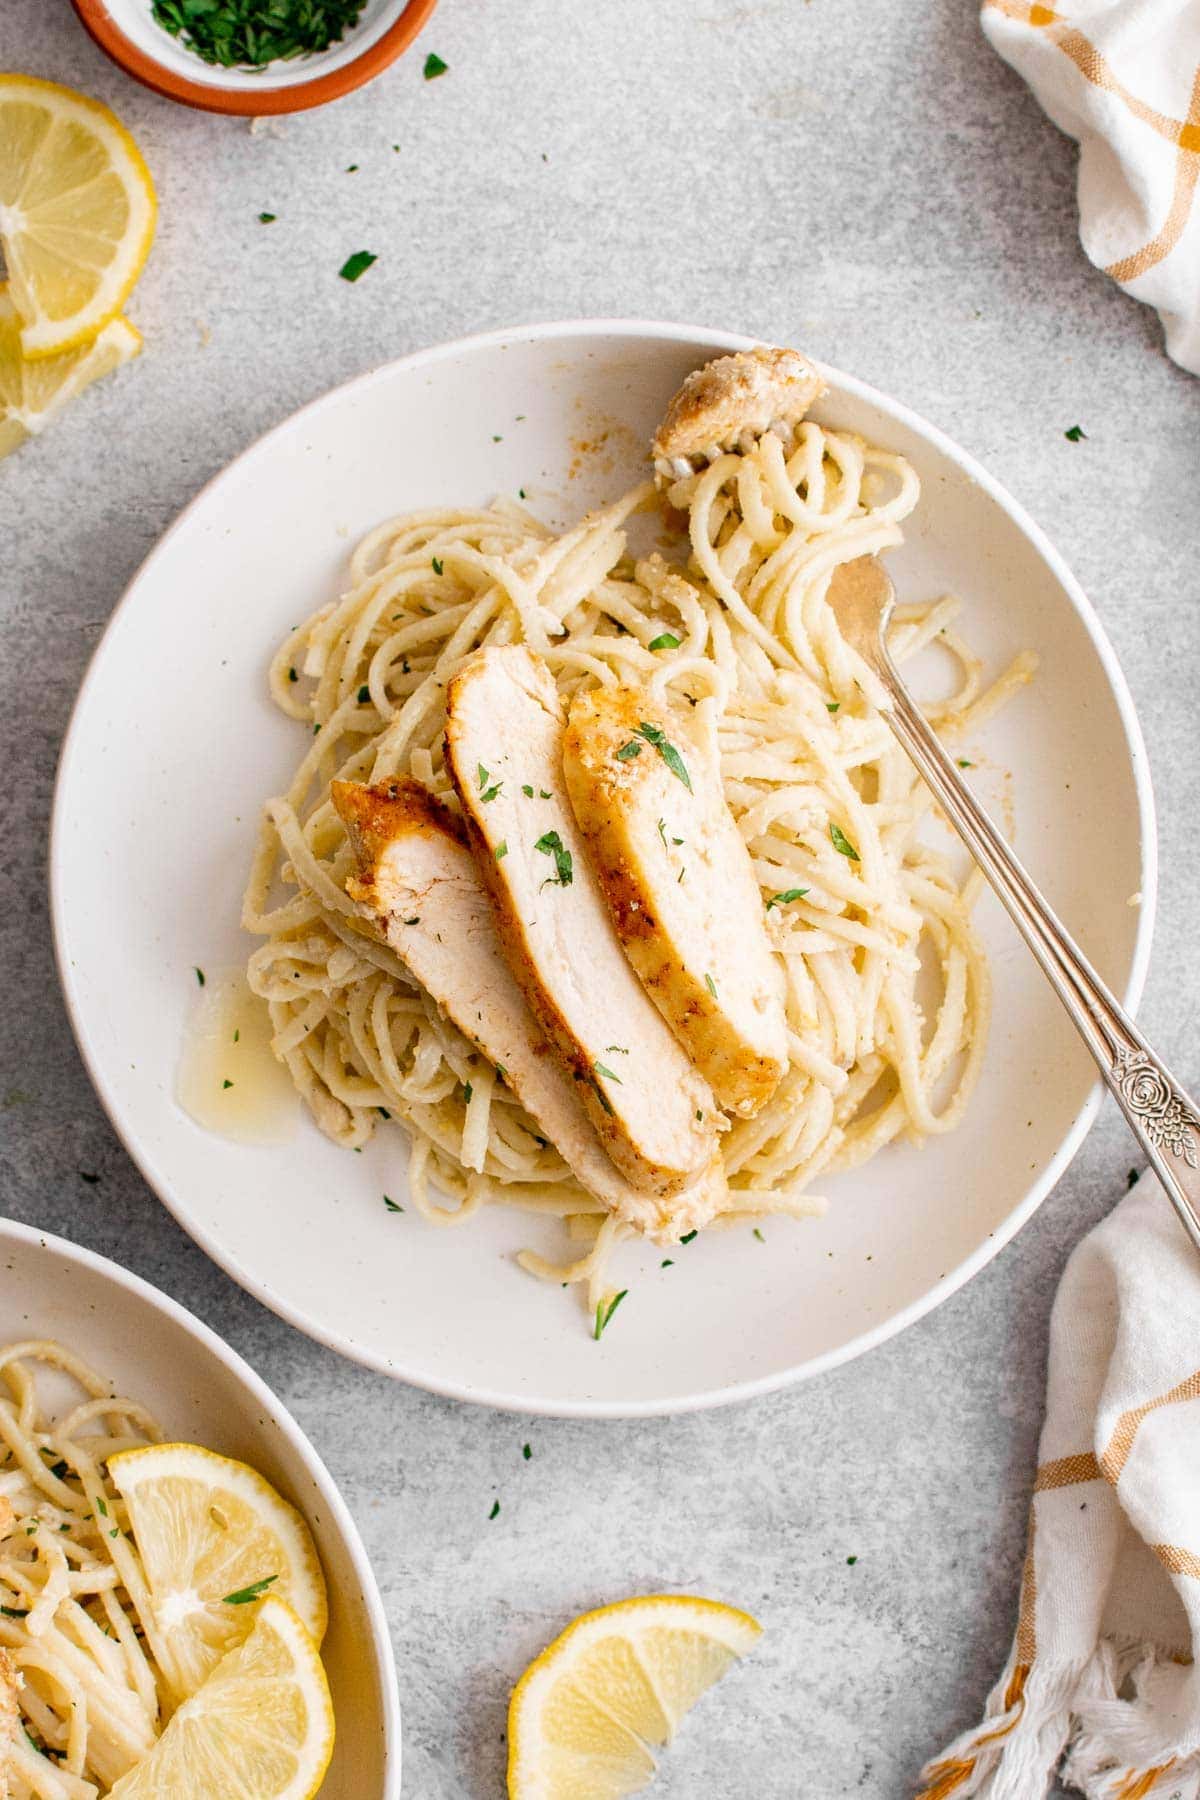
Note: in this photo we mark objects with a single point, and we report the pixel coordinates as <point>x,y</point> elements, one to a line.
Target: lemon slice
<point>583,1716</point>
<point>31,393</point>
<point>77,212</point>
<point>262,1724</point>
<point>213,1539</point>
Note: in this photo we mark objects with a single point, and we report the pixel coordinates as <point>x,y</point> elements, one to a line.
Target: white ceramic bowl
<point>174,747</point>
<point>127,31</point>
<point>203,1393</point>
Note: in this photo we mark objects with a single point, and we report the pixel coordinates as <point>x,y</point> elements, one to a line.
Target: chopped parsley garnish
<point>841,842</point>
<point>711,985</point>
<point>357,265</point>
<point>416,920</point>
<point>604,1313</point>
<point>628,751</point>
<point>439,567</point>
<point>621,1049</point>
<point>521,494</point>
<point>786,897</point>
<point>495,1512</point>
<point>227,1083</point>
<point>527,790</point>
<point>434,66</point>
<point>758,1234</point>
<point>60,1468</point>
<point>255,1591</point>
<point>501,1071</point>
<point>607,1073</point>
<point>526,1451</point>
<point>688,1236</point>
<point>382,1110</point>
<point>391,1204</point>
<point>851,1560</point>
<point>662,832</point>
<point>497,440</point>
<point>292,675</point>
<point>468,1090</point>
<point>501,850</point>
<point>666,640</point>
<point>543,793</point>
<point>103,1508</point>
<point>832,705</point>
<point>246,33</point>
<point>489,794</point>
<point>89,1177</point>
<point>200,976</point>
<point>654,734</point>
<point>964,764</point>
<point>1075,433</point>
<point>666,1263</point>
<point>15,1612</point>
<point>364,694</point>
<point>550,844</point>
<point>266,218</point>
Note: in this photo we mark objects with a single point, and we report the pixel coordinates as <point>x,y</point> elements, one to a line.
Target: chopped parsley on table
<point>434,66</point>
<point>252,33</point>
<point>1074,433</point>
<point>266,218</point>
<point>357,265</point>
<point>391,1204</point>
<point>495,1512</point>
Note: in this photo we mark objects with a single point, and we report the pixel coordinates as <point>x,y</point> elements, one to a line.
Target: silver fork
<point>1158,1111</point>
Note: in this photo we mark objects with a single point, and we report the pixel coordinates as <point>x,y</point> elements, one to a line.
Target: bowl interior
<point>135,18</point>
<point>162,781</point>
<point>49,1289</point>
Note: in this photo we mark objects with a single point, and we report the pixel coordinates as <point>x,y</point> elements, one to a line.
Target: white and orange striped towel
<point>1123,77</point>
<point>1100,1687</point>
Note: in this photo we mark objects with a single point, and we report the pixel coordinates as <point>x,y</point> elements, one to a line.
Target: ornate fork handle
<point>1159,1112</point>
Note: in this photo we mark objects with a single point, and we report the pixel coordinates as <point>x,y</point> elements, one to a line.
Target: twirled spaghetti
<point>739,602</point>
<point>73,1600</point>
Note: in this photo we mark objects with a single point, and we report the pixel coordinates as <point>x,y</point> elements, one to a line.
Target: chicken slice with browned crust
<point>744,393</point>
<point>655,1114</point>
<point>420,884</point>
<point>645,785</point>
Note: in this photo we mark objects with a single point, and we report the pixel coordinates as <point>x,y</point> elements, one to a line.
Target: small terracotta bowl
<point>126,31</point>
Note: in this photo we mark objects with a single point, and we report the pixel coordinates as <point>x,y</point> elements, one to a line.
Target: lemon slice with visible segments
<point>32,393</point>
<point>583,1716</point>
<point>77,212</point>
<point>262,1724</point>
<point>213,1539</point>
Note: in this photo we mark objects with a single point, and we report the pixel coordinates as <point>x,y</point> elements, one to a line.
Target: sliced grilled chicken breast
<point>745,392</point>
<point>419,881</point>
<point>645,785</point>
<point>504,729</point>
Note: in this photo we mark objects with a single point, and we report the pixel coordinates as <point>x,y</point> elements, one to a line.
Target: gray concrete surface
<point>864,178</point>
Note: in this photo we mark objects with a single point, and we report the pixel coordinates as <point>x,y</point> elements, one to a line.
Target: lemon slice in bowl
<point>77,211</point>
<point>32,393</point>
<point>213,1540</point>
<point>585,1713</point>
<point>262,1724</point>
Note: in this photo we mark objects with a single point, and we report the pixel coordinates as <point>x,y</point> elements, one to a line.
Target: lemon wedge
<point>262,1724</point>
<point>583,1716</point>
<point>31,393</point>
<point>77,212</point>
<point>213,1539</point>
